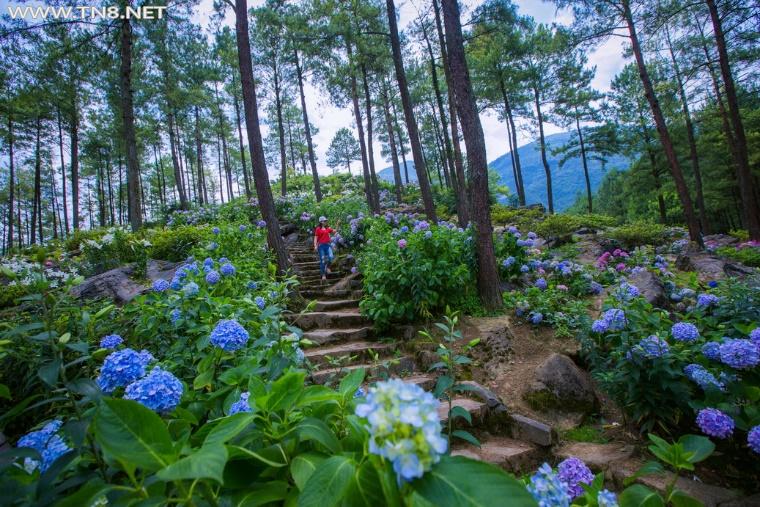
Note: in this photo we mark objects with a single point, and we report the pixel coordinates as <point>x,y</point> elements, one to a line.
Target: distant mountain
<point>567,181</point>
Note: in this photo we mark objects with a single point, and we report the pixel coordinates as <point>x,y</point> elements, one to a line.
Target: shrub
<point>411,275</point>
<point>114,248</point>
<point>563,224</point>
<point>176,243</point>
<point>749,256</point>
<point>639,233</point>
<point>524,218</point>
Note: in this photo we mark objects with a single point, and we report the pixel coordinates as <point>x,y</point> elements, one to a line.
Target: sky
<point>607,58</point>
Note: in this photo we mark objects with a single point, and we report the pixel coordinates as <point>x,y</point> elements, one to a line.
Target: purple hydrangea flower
<point>715,423</point>
<point>47,442</point>
<point>241,405</point>
<point>595,288</point>
<point>160,285</point>
<point>532,235</point>
<point>754,337</point>
<point>739,354</point>
<point>212,277</point>
<point>122,367</point>
<point>227,269</point>
<point>684,331</point>
<point>402,244</point>
<point>707,300</point>
<point>541,284</point>
<point>574,472</point>
<point>160,391</point>
<point>111,341</point>
<point>229,335</point>
<point>753,439</point>
<point>508,261</point>
<point>261,224</point>
<point>700,376</point>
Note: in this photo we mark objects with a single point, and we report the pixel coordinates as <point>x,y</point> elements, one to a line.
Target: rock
<point>291,239</point>
<point>561,385</point>
<point>161,269</point>
<point>495,346</point>
<point>649,286</point>
<point>710,267</point>
<point>598,457</point>
<point>344,283</point>
<point>485,395</point>
<point>525,428</point>
<point>115,284</point>
<point>719,240</point>
<point>747,501</point>
<point>286,229</point>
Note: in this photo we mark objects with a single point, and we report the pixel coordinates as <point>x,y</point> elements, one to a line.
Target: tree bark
<point>36,200</point>
<point>199,159</point>
<point>63,173</point>
<point>128,117</point>
<point>174,149</point>
<point>662,129</point>
<point>11,180</point>
<point>242,147</point>
<point>585,163</point>
<point>488,275</point>
<point>750,205</point>
<point>400,142</point>
<point>542,143</point>
<point>513,143</point>
<point>255,143</point>
<point>74,141</point>
<point>411,122</point>
<point>392,144</point>
<point>307,129</point>
<point>370,150</point>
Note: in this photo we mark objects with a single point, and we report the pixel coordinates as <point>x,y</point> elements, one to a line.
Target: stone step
<point>379,370</point>
<point>514,456</point>
<point>325,336</point>
<point>317,277</point>
<point>306,264</point>
<point>478,412</point>
<point>324,306</point>
<point>425,380</point>
<point>362,350</point>
<point>336,319</point>
<point>324,293</point>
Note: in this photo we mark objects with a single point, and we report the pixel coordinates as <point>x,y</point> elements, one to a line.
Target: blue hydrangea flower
<point>600,326</point>
<point>626,292</point>
<point>684,331</point>
<point>176,283</point>
<point>611,320</point>
<point>650,347</point>
<point>229,335</point>
<point>242,228</point>
<point>404,427</point>
<point>532,235</point>
<point>711,350</point>
<point>223,260</point>
<point>574,472</point>
<point>541,284</point>
<point>535,317</point>
<point>739,354</point>
<point>512,229</point>
<point>595,288</point>
<point>524,242</point>
<point>404,229</point>
<point>524,268</point>
<point>160,391</point>
<point>251,285</point>
<point>700,376</point>
<point>241,405</point>
<point>754,337</point>
<point>191,289</point>
<point>111,341</point>
<point>160,285</point>
<point>548,489</point>
<point>707,300</point>
<point>753,439</point>
<point>715,423</point>
<point>47,442</point>
<point>421,226</point>
<point>508,261</point>
<point>360,393</point>
<point>176,315</point>
<point>122,367</point>
<point>208,261</point>
<point>607,498</point>
<point>212,277</point>
<point>712,284</point>
<point>213,245</point>
<point>260,302</point>
<point>215,230</point>
<point>428,234</point>
<point>227,269</point>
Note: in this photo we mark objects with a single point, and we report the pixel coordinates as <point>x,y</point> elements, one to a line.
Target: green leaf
<point>228,428</point>
<point>262,494</point>
<point>365,489</point>
<point>639,495</point>
<point>206,463</point>
<point>680,499</point>
<point>317,394</point>
<point>648,468</point>
<point>457,481</point>
<point>285,391</point>
<point>466,436</point>
<point>5,392</point>
<point>133,435</point>
<point>328,484</point>
<point>457,411</point>
<point>242,451</point>
<point>700,447</point>
<point>303,466</point>
<point>443,383</point>
<point>49,372</point>
<point>351,382</point>
<point>316,430</point>
<point>203,379</point>
<point>86,495</point>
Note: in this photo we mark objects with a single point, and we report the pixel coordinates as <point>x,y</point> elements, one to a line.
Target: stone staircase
<point>345,340</point>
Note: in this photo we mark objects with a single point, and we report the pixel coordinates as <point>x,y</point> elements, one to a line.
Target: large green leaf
<point>206,463</point>
<point>133,435</point>
<point>328,484</point>
<point>700,446</point>
<point>639,495</point>
<point>365,489</point>
<point>228,428</point>
<point>458,481</point>
<point>316,430</point>
<point>303,466</point>
<point>680,499</point>
<point>285,392</point>
<point>262,494</point>
<point>351,382</point>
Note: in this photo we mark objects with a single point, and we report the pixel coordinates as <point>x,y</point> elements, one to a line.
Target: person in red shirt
<point>323,247</point>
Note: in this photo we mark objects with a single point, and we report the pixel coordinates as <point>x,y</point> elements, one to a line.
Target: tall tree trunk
<point>307,129</point>
<point>110,189</point>
<point>585,162</point>
<point>101,191</point>
<point>488,274</point>
<point>392,144</point>
<point>360,128</point>
<point>400,142</point>
<point>411,122</point>
<point>746,184</point>
<point>255,144</point>
<point>128,117</point>
<point>370,150</point>
<point>242,148</point>
<point>159,172</point>
<point>178,180</point>
<point>74,142</point>
<point>662,129</point>
<point>280,134</point>
<point>513,143</point>
<point>56,212</point>
<point>542,142</point>
<point>121,191</point>
<point>199,158</point>
<point>11,181</point>
<point>463,201</point>
<point>691,138</point>
<point>36,200</point>
<point>63,173</point>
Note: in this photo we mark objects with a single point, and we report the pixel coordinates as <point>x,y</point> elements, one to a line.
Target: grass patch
<point>585,433</point>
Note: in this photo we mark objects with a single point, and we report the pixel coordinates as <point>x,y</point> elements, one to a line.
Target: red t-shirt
<point>323,234</point>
